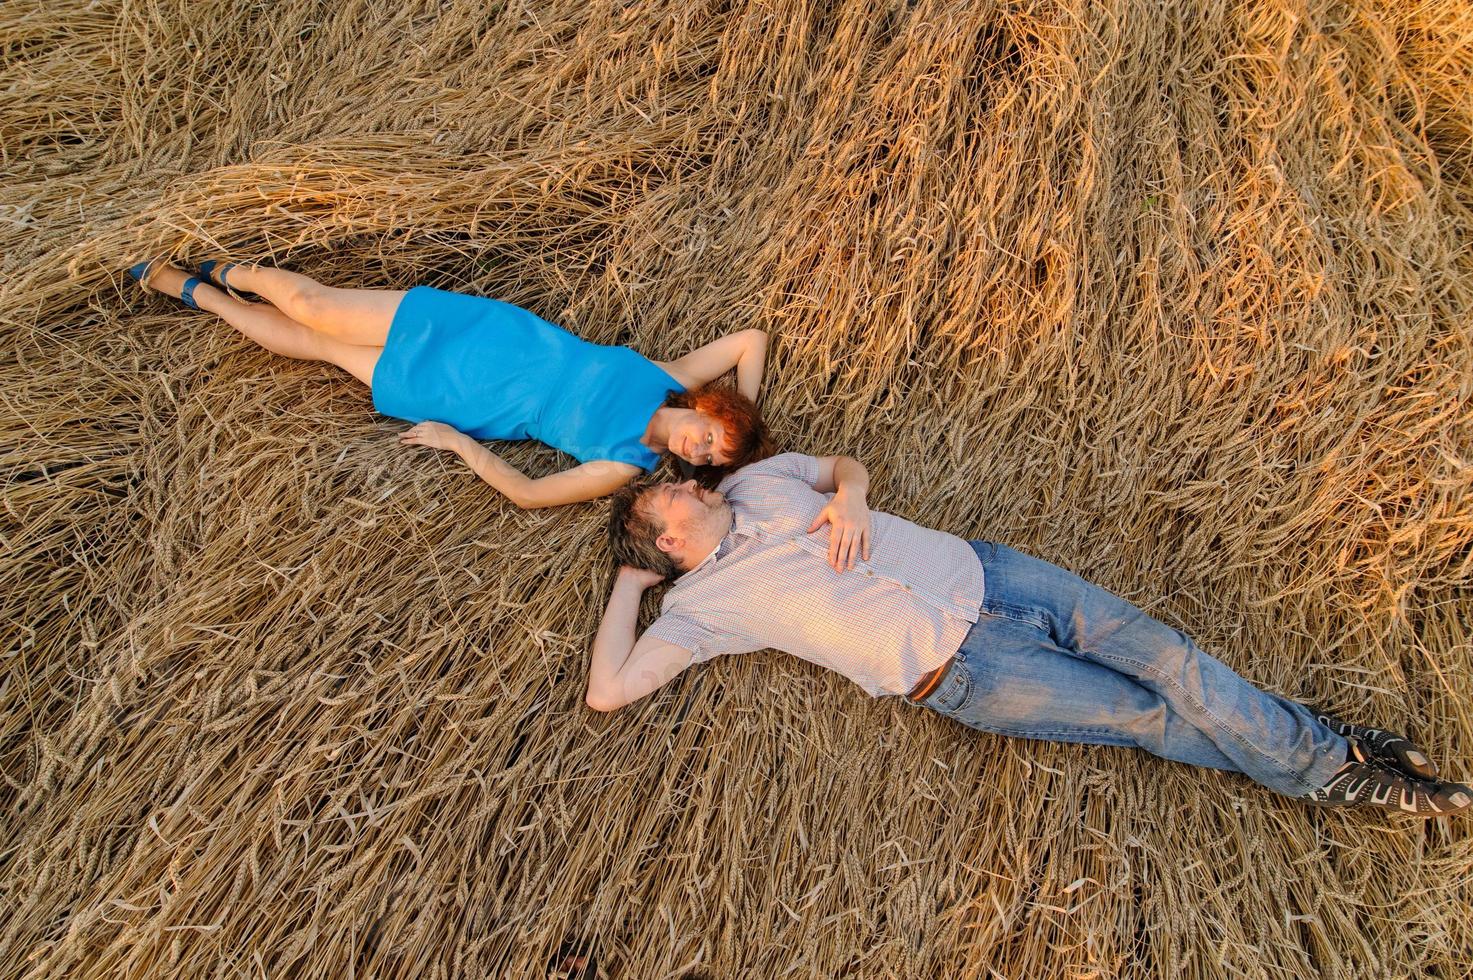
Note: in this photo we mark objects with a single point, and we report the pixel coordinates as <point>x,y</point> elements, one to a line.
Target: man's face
<point>683,507</point>
<point>695,520</point>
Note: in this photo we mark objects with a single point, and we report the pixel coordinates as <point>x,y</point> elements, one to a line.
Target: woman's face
<point>699,439</point>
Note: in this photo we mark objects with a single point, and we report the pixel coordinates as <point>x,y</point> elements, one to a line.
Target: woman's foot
<point>160,277</point>
<point>217,273</point>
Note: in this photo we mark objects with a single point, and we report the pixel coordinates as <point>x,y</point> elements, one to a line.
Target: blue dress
<point>496,371</point>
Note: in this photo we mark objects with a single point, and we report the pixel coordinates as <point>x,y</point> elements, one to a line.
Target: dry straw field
<point>1175,294</point>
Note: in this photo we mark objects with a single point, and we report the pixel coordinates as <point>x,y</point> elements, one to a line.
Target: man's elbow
<point>600,701</point>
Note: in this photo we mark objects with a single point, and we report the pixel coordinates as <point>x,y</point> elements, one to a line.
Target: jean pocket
<point>986,551</point>
<point>954,691</point>
<point>1028,615</point>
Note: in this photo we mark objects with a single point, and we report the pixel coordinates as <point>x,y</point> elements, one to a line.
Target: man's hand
<point>642,577</point>
<point>848,518</point>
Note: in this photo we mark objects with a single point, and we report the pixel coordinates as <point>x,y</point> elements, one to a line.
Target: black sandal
<point>1396,750</point>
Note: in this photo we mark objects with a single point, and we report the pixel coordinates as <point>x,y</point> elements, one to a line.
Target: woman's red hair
<point>747,438</point>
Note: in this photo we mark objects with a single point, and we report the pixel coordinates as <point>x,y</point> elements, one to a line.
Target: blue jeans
<point>1053,657</point>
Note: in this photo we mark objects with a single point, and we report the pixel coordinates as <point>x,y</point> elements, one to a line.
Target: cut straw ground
<point>1174,295</point>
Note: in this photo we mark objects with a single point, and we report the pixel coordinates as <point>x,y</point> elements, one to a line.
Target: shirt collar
<point>739,525</point>
<point>708,561</point>
<point>741,522</point>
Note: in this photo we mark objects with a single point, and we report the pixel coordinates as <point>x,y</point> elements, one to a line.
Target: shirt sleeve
<point>793,466</point>
<point>689,634</point>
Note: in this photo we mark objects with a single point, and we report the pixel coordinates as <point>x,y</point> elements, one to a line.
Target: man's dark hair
<point>632,533</point>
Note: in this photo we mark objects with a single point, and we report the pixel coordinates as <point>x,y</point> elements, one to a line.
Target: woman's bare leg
<point>271,328</point>
<point>360,317</point>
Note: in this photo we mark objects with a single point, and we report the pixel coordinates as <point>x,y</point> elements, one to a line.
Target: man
<point>977,631</point>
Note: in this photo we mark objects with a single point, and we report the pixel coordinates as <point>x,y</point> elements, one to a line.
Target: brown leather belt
<point>930,680</point>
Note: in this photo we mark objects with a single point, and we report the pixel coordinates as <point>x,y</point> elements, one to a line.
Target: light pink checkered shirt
<point>882,624</point>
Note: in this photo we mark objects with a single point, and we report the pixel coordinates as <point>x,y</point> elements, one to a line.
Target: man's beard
<point>715,523</point>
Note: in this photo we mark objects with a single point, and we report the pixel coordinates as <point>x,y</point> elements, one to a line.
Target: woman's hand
<point>848,518</point>
<point>642,577</point>
<point>433,435</point>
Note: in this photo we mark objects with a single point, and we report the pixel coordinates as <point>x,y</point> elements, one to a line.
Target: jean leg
<point>1271,739</point>
<point>1011,679</point>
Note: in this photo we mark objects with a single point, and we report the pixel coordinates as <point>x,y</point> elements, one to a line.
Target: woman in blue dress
<point>466,368</point>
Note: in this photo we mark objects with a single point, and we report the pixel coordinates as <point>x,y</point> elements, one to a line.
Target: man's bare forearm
<point>616,635</point>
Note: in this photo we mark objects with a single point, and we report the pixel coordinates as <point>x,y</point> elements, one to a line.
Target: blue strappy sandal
<point>140,273</point>
<point>216,271</point>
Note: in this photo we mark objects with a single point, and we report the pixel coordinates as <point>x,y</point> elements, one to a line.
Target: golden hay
<point>1175,295</point>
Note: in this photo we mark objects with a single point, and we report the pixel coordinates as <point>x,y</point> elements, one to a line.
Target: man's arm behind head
<point>623,670</point>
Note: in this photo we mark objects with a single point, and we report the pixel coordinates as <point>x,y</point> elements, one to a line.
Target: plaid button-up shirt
<point>882,624</point>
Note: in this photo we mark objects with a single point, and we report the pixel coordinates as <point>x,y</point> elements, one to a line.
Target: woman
<point>466,368</point>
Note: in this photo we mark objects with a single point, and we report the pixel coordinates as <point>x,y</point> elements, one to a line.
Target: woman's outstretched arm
<point>587,481</point>
<point>745,350</point>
